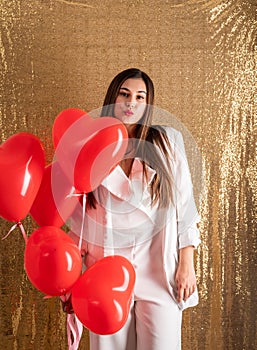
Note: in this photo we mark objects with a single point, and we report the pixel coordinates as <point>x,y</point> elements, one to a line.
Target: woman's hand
<point>185,276</point>
<point>66,304</point>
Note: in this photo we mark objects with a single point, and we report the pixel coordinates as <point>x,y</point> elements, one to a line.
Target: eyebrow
<point>140,91</point>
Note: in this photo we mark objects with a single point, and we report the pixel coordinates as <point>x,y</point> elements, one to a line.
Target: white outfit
<point>124,223</point>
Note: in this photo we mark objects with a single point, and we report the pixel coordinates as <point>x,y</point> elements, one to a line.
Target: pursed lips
<point>128,112</point>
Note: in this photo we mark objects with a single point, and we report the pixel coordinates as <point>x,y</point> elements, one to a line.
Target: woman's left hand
<point>185,276</point>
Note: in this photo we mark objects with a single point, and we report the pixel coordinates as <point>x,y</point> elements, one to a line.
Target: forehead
<point>134,84</point>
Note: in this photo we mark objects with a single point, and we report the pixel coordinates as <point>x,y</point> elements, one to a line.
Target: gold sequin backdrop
<point>200,54</point>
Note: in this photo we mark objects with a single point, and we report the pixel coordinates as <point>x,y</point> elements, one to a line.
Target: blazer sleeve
<point>183,197</point>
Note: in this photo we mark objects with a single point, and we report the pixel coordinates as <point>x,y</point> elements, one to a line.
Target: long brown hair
<point>153,145</point>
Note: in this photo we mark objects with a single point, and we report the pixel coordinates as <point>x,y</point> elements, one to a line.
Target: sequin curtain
<point>200,54</point>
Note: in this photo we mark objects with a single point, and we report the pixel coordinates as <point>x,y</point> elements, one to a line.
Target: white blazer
<point>124,216</point>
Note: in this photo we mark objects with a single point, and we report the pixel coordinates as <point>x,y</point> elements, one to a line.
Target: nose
<point>131,102</point>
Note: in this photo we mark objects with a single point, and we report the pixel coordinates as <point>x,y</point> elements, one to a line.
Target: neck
<point>131,130</point>
<point>130,151</point>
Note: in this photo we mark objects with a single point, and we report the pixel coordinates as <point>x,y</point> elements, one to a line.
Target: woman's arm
<point>187,218</point>
<point>185,275</point>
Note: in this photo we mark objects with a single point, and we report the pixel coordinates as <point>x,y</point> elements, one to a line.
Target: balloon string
<point>65,297</point>
<point>84,201</point>
<point>23,232</point>
<point>18,224</point>
<point>74,328</point>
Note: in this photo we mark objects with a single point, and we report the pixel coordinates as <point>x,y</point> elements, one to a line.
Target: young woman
<point>145,211</point>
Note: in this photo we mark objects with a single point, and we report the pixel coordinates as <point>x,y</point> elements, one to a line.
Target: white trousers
<point>150,326</point>
<point>154,322</point>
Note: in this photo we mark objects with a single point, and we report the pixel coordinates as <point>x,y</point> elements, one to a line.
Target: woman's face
<point>131,101</point>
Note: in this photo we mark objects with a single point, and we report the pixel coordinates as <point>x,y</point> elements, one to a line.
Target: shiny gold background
<point>200,54</point>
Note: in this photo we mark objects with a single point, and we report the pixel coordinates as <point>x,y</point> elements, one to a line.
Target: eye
<point>124,94</point>
<point>140,97</point>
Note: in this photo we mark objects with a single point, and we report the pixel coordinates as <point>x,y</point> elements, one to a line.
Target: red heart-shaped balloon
<point>100,154</point>
<point>22,163</point>
<point>64,120</point>
<point>52,260</point>
<point>102,295</point>
<point>90,149</point>
<point>54,202</point>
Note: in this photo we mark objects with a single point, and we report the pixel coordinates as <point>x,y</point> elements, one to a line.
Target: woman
<point>145,211</point>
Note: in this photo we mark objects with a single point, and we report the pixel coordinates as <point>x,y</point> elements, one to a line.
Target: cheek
<point>119,100</point>
<point>117,109</point>
<point>141,108</point>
